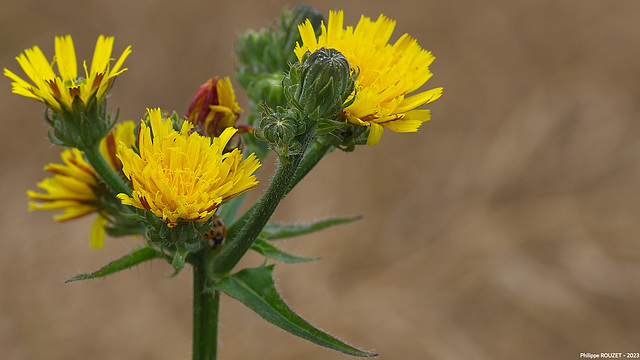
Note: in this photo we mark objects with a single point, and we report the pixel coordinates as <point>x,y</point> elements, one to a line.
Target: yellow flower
<point>214,107</point>
<point>75,187</point>
<point>58,91</point>
<point>387,72</point>
<point>183,176</point>
<point>108,146</point>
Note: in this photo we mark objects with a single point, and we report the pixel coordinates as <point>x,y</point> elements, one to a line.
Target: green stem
<point>241,242</point>
<point>205,315</point>
<point>106,173</point>
<point>312,157</point>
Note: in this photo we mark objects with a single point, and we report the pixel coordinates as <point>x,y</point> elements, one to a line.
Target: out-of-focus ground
<point>506,228</point>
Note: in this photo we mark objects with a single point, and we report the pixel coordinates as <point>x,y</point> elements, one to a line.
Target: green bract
<point>82,126</point>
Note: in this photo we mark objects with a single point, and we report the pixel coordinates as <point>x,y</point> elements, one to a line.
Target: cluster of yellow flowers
<point>182,175</point>
<point>178,176</point>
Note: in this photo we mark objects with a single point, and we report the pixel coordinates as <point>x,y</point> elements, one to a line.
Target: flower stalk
<point>106,173</point>
<point>206,306</point>
<point>264,208</point>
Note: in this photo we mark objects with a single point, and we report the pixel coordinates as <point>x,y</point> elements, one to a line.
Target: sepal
<point>184,236</point>
<point>281,128</point>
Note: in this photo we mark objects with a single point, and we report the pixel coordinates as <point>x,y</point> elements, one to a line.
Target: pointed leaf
<point>255,288</point>
<point>280,231</point>
<point>268,250</point>
<point>130,260</point>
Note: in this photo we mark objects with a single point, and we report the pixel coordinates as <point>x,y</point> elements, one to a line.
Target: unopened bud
<point>280,128</point>
<point>321,84</point>
<point>214,107</point>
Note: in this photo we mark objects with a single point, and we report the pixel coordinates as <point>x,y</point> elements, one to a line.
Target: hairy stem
<point>205,315</point>
<point>241,241</point>
<point>106,173</point>
<point>312,157</point>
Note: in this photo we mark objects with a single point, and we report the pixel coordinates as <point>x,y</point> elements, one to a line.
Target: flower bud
<point>253,52</point>
<point>289,34</point>
<point>320,85</point>
<point>280,128</point>
<point>268,88</point>
<point>270,50</point>
<point>214,108</point>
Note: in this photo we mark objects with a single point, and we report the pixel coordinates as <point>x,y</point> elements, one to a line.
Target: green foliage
<point>130,260</point>
<point>269,251</point>
<point>280,231</point>
<point>265,55</point>
<point>256,289</point>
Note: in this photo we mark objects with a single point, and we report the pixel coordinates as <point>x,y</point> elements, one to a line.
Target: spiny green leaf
<point>255,288</point>
<point>280,231</point>
<point>132,259</point>
<point>272,252</point>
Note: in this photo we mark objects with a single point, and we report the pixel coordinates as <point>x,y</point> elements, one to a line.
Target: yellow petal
<point>375,133</point>
<point>308,37</point>
<point>116,68</point>
<point>101,54</point>
<point>97,232</point>
<point>66,58</point>
<point>335,24</point>
<point>414,101</point>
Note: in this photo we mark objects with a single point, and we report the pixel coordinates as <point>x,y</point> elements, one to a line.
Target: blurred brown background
<point>507,227</point>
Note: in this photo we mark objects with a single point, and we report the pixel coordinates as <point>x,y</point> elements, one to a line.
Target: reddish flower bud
<point>214,108</point>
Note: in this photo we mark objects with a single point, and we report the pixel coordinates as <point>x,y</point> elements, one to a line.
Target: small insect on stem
<point>215,237</point>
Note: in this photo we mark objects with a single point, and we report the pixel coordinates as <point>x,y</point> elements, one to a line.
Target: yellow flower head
<point>387,72</point>
<point>75,186</point>
<point>183,176</point>
<point>58,91</point>
<point>214,107</point>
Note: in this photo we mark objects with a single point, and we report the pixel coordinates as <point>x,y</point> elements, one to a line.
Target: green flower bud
<point>280,128</point>
<point>255,55</point>
<point>270,50</point>
<point>267,88</point>
<point>321,84</point>
<point>289,33</point>
<point>264,56</point>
